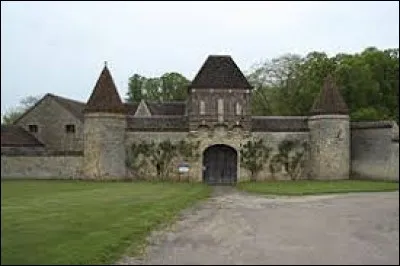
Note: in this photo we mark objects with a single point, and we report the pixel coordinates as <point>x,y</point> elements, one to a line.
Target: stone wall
<point>41,167</point>
<point>329,147</point>
<point>220,135</point>
<point>150,171</point>
<point>272,140</point>
<point>104,147</point>
<point>374,152</point>
<point>51,119</point>
<point>137,136</point>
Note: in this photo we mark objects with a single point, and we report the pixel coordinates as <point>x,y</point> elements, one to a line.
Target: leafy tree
<point>14,113</point>
<point>369,83</point>
<point>136,85</point>
<point>171,86</point>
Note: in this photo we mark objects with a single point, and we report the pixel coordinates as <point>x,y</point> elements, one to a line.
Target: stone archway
<point>220,165</point>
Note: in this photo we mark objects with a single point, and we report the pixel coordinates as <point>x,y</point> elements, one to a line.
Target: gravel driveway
<point>238,228</point>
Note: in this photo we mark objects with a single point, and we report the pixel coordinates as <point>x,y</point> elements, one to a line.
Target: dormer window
<point>70,128</point>
<point>33,128</point>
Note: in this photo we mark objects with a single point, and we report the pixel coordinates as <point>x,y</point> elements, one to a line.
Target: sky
<point>60,47</point>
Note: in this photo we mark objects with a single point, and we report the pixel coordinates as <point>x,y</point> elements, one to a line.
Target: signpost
<point>183,167</point>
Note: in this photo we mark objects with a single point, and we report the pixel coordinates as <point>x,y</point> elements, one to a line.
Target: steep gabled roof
<point>105,97</point>
<point>74,107</point>
<point>142,110</point>
<point>220,72</point>
<point>329,101</point>
<point>16,136</point>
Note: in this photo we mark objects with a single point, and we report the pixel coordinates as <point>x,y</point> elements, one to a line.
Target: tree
<point>135,85</point>
<point>14,113</point>
<point>368,81</point>
<point>170,86</point>
<point>174,87</point>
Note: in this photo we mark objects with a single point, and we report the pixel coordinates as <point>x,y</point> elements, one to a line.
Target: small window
<point>33,128</point>
<point>220,110</point>
<point>202,108</point>
<point>70,128</point>
<point>238,109</point>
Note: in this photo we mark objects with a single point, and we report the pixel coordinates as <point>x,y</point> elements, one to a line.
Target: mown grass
<point>314,187</point>
<point>77,222</point>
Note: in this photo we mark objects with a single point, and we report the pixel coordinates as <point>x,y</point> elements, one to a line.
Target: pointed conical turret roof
<point>105,97</point>
<point>220,72</point>
<point>329,101</point>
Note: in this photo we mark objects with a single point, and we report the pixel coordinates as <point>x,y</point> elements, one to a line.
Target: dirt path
<point>237,228</point>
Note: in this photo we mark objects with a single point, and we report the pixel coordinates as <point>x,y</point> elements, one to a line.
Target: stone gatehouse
<point>212,134</point>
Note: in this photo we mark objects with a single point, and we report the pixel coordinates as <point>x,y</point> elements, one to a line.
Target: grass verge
<point>314,187</point>
<point>77,222</point>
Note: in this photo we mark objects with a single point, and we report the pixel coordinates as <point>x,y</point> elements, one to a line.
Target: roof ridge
<point>65,98</point>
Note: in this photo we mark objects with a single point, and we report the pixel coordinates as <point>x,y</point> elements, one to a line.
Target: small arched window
<point>202,108</point>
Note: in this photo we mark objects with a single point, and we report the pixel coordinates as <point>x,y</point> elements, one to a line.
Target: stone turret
<point>104,131</point>
<point>329,134</point>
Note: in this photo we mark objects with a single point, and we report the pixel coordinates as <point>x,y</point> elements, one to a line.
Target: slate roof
<point>279,123</point>
<point>75,107</point>
<point>220,71</point>
<point>167,108</point>
<point>105,97</point>
<point>157,108</point>
<point>159,123</point>
<point>12,136</point>
<point>130,108</point>
<point>329,101</point>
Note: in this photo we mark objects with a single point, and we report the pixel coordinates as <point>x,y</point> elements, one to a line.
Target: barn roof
<point>12,136</point>
<point>158,123</point>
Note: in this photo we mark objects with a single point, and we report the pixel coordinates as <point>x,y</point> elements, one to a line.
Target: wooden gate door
<point>219,165</point>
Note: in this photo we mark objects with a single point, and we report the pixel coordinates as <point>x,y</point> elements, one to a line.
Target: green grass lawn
<point>76,222</point>
<point>313,187</point>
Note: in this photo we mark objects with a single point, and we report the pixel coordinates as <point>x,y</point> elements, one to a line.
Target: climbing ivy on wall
<point>254,154</point>
<point>159,156</point>
<point>136,158</point>
<point>162,156</point>
<point>289,156</point>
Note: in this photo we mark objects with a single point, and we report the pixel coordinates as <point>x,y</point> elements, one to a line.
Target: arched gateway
<point>220,165</point>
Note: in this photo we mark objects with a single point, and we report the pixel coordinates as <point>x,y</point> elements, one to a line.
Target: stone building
<point>64,138</point>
